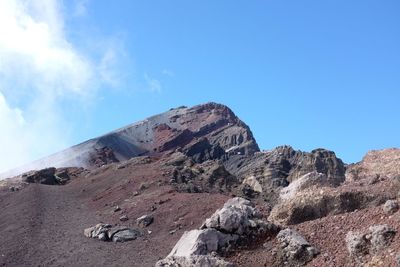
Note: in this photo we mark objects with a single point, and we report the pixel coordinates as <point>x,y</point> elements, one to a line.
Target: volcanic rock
<point>144,220</point>
<point>239,217</point>
<point>357,244</point>
<point>375,239</point>
<point>381,236</point>
<point>294,249</point>
<point>391,206</point>
<point>105,232</point>
<point>275,169</point>
<point>311,205</point>
<point>210,131</point>
<point>309,180</point>
<point>125,235</point>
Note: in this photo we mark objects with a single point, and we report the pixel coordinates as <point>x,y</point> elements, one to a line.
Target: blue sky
<point>306,73</point>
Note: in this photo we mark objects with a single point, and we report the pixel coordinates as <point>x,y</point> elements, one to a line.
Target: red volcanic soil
<point>43,225</point>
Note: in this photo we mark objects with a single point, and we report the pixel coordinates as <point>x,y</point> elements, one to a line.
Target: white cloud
<point>168,72</point>
<point>153,85</point>
<point>39,69</point>
<point>80,8</point>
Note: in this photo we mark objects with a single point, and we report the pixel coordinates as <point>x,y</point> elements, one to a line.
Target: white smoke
<point>39,68</point>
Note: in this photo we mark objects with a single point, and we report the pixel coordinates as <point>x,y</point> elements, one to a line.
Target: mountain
<point>204,131</point>
<point>190,187</point>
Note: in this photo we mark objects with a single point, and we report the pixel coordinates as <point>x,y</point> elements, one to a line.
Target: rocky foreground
<point>190,187</point>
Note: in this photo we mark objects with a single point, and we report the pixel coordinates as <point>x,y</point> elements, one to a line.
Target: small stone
<point>173,231</point>
<point>117,208</point>
<point>145,220</point>
<point>123,218</point>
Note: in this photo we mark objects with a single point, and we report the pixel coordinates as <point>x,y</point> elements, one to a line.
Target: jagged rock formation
<point>274,169</point>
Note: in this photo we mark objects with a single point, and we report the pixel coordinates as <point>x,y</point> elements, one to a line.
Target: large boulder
<point>313,204</point>
<point>238,216</point>
<point>195,247</point>
<point>201,242</point>
<point>312,179</point>
<point>294,249</point>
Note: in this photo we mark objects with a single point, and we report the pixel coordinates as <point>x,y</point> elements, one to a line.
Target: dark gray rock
<point>105,232</point>
<point>126,235</point>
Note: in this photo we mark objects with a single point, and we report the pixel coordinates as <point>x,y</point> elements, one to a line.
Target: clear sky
<point>306,73</point>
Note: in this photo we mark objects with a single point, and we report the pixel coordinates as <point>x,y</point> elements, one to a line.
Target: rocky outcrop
<point>265,173</point>
<point>105,232</point>
<point>294,250</point>
<point>49,176</point>
<point>314,204</point>
<point>237,220</point>
<point>286,163</point>
<point>209,176</point>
